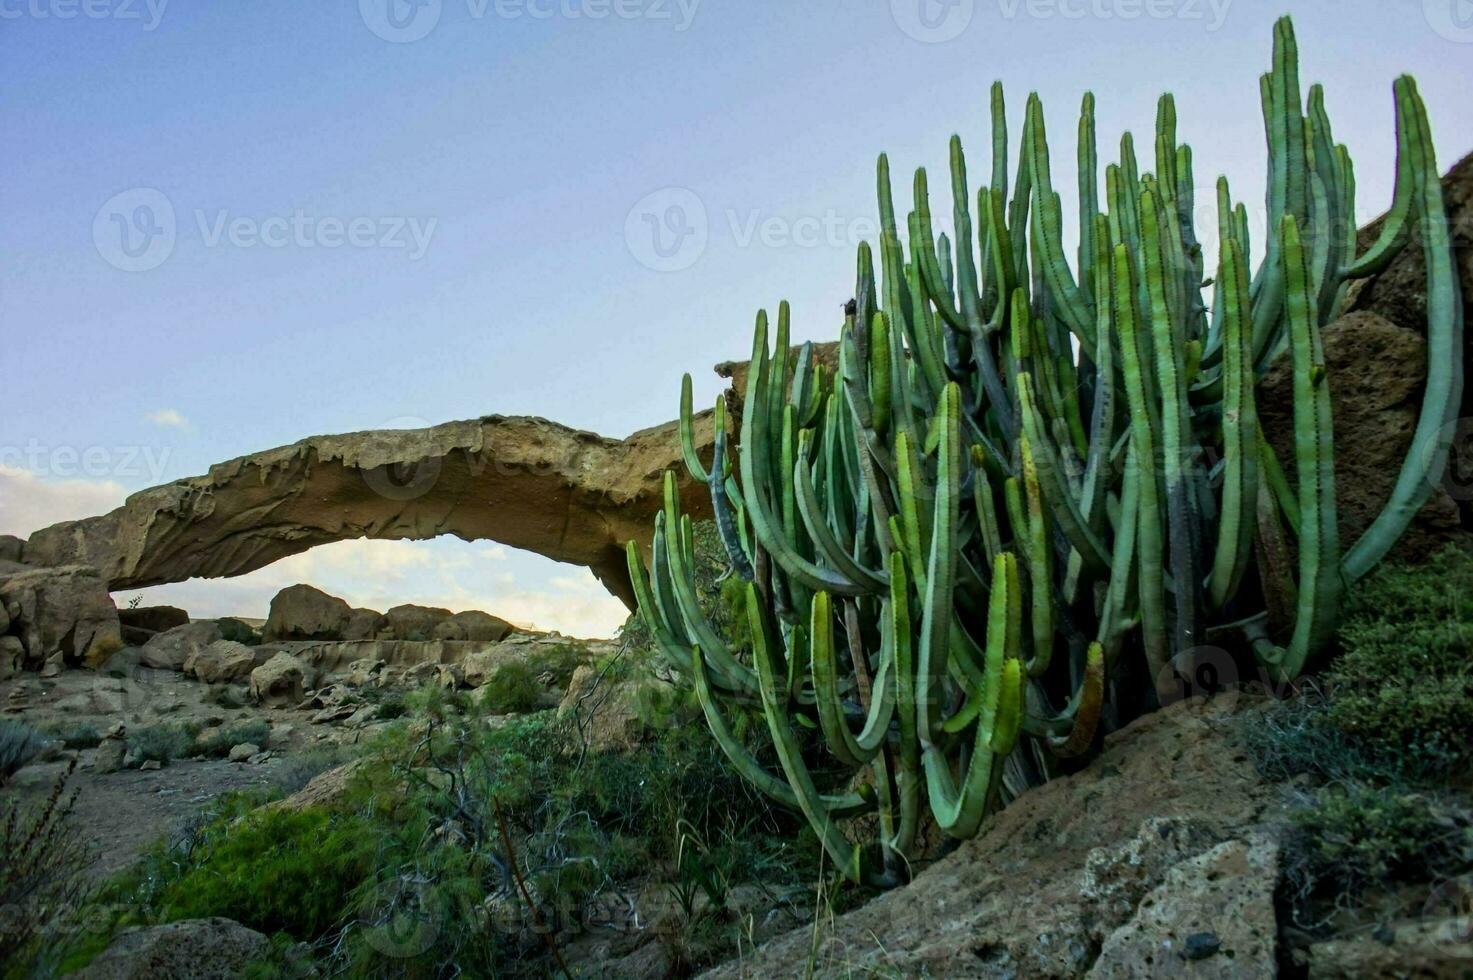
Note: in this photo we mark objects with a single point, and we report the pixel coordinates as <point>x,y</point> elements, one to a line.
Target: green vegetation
<point>19,744</point>
<point>1000,497</point>
<point>76,735</point>
<point>217,742</point>
<point>163,742</point>
<point>511,689</point>
<point>1378,745</point>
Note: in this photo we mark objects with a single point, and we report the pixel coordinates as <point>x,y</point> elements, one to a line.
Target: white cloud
<point>29,502</point>
<point>170,418</point>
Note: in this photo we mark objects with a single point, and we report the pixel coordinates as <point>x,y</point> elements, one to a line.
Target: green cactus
<point>1031,490</point>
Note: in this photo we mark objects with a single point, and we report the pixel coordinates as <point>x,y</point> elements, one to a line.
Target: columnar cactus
<point>1033,488</point>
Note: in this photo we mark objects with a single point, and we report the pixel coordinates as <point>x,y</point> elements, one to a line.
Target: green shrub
<point>164,741</point>
<point>512,690</point>
<point>558,662</point>
<point>19,744</point>
<point>76,735</point>
<point>1359,835</point>
<point>1404,683</point>
<point>218,742</point>
<point>273,870</point>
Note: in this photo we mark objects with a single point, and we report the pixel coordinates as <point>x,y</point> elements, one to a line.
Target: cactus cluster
<point>1032,489</point>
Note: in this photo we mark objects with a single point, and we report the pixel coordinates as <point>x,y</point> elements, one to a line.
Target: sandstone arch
<point>525,482</point>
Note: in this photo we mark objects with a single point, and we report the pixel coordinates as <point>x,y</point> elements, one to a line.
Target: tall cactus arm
<point>1239,433</point>
<point>1047,231</point>
<point>828,546</point>
<point>959,811</point>
<point>846,856</point>
<point>923,248</point>
<point>908,769</point>
<point>1396,229</point>
<point>937,612</point>
<point>1177,447</point>
<point>1319,542</point>
<point>1035,532</point>
<point>850,749</point>
<point>1056,491</point>
<point>1143,449</point>
<point>1090,701</point>
<point>675,652</point>
<point>847,805</point>
<point>725,516</point>
<point>693,463</point>
<point>753,460</point>
<point>1427,457</point>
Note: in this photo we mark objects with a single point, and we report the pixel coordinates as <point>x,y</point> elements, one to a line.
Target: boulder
<point>280,681</point>
<point>243,752</point>
<point>300,612</point>
<point>326,789</point>
<point>604,713</point>
<point>12,657</point>
<point>222,662</point>
<point>473,625</point>
<point>12,548</point>
<point>155,619</point>
<point>362,624</point>
<point>65,610</point>
<point>411,622</point>
<point>479,665</point>
<point>202,949</point>
<point>170,649</point>
<point>4,619</point>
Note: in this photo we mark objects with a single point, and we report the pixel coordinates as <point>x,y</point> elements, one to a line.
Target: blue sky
<point>373,228</point>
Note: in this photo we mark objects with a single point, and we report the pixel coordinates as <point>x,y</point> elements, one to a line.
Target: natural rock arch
<point>525,482</point>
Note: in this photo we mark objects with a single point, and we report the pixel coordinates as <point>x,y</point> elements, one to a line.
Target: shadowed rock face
<point>529,483</point>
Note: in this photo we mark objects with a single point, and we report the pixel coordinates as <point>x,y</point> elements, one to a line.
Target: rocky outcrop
<point>141,623</point>
<point>411,622</point>
<point>64,611</point>
<point>172,649</point>
<point>223,662</point>
<point>474,625</point>
<point>529,483</point>
<point>281,681</point>
<point>1157,860</point>
<point>301,612</point>
<point>204,949</point>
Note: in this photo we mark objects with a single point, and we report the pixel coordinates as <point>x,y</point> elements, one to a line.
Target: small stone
<point>243,751</point>
<point>1201,945</point>
<point>109,757</point>
<point>151,765</point>
<point>259,758</point>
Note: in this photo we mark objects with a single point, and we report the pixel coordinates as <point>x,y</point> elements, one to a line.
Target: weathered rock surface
<point>604,713</point>
<point>171,649</point>
<point>222,662</point>
<point>411,622</point>
<point>302,612</point>
<point>525,482</point>
<point>1061,884</point>
<point>65,610</point>
<point>203,949</point>
<point>474,625</point>
<point>12,548</point>
<point>140,623</point>
<point>282,680</point>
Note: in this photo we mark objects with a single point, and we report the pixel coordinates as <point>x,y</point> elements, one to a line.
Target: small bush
<point>557,662</point>
<point>1361,835</point>
<point>163,742</point>
<point>43,864</point>
<point>218,742</point>
<point>512,690</point>
<point>1404,684</point>
<point>76,735</point>
<point>19,744</point>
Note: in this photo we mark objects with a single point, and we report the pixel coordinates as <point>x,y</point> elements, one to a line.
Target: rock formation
<point>525,482</point>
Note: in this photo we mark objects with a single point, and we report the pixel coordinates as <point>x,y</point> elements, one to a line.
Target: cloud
<point>29,502</point>
<point>169,418</point>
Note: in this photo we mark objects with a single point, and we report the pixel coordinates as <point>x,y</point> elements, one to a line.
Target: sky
<point>228,226</point>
